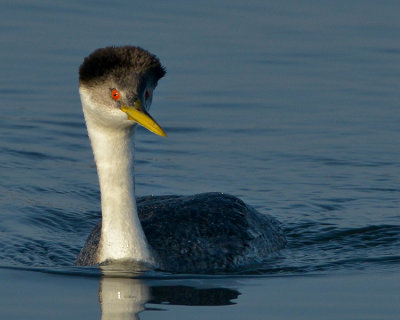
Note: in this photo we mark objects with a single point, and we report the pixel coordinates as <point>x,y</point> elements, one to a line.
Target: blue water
<point>291,106</point>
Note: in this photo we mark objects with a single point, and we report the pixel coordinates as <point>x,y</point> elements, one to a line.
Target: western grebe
<point>200,233</point>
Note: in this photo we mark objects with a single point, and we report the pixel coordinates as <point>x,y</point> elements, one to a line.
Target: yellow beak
<point>139,114</point>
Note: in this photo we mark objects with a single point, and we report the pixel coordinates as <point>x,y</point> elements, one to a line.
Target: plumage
<point>200,233</point>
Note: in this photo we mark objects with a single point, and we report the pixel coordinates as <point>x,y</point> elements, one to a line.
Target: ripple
<point>35,155</point>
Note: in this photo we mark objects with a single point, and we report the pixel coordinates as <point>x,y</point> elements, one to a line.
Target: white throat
<point>122,236</point>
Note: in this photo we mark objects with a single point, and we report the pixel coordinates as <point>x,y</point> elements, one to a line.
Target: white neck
<point>122,236</point>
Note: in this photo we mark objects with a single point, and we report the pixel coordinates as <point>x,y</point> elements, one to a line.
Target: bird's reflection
<point>124,298</point>
<point>191,296</point>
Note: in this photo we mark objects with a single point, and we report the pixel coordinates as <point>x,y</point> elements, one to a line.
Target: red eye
<point>147,94</point>
<point>115,94</point>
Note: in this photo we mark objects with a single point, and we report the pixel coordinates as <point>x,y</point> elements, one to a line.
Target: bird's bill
<point>138,114</point>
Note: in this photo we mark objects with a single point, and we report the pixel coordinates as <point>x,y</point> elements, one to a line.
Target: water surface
<point>291,106</point>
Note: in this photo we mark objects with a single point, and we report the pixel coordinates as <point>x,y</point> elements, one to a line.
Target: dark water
<point>291,106</point>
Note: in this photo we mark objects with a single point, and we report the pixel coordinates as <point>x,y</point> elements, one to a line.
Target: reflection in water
<point>125,298</point>
<point>190,296</point>
<point>122,298</point>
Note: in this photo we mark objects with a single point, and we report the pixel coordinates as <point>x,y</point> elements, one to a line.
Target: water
<point>291,106</point>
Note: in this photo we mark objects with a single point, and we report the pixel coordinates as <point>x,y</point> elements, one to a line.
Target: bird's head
<point>116,85</point>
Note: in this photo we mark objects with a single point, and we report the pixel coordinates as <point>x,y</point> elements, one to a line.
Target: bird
<point>202,233</point>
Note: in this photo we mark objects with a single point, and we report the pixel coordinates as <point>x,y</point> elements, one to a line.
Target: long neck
<point>122,236</point>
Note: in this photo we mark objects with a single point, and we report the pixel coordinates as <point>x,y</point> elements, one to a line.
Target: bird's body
<point>201,233</point>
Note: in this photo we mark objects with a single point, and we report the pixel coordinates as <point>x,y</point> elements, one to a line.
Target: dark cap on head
<point>119,62</point>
